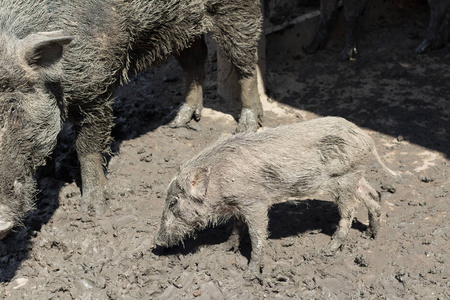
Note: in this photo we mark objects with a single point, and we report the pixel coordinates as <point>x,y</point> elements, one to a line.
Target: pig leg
<point>257,221</point>
<point>251,112</point>
<point>434,38</point>
<point>92,139</point>
<point>328,9</point>
<point>237,33</point>
<point>236,235</point>
<point>353,10</point>
<point>369,197</point>
<point>346,204</point>
<point>192,61</point>
<point>93,182</point>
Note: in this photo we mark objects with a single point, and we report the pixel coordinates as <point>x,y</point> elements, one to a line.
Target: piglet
<point>242,175</point>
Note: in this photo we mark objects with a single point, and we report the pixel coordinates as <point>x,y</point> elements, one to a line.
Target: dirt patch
<point>400,98</point>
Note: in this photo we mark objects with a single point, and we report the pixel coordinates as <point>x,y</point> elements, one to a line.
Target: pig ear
<point>198,183</point>
<point>44,48</point>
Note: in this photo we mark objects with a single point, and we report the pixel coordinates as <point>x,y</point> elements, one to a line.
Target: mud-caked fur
<point>61,60</point>
<point>241,175</point>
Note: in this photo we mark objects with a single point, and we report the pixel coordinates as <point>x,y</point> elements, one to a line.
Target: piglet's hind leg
<point>369,197</point>
<point>346,205</point>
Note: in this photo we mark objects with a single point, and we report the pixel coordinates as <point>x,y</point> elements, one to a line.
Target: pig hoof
<point>327,251</point>
<point>311,48</point>
<point>317,44</point>
<point>185,115</point>
<point>253,275</point>
<point>423,47</point>
<point>428,45</point>
<point>229,246</point>
<point>330,249</point>
<point>249,121</point>
<point>94,207</point>
<point>349,53</point>
<point>5,228</point>
<point>370,233</point>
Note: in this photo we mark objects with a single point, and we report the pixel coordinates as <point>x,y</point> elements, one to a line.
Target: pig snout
<point>162,238</point>
<point>159,242</point>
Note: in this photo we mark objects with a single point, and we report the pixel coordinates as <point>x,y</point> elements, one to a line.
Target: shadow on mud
<point>388,88</point>
<point>295,217</point>
<point>290,218</point>
<point>209,236</point>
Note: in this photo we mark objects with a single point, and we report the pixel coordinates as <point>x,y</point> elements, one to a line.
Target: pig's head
<point>186,209</point>
<point>31,110</point>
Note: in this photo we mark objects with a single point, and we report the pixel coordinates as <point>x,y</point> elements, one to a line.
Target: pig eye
<point>13,110</point>
<point>173,202</point>
<point>14,106</point>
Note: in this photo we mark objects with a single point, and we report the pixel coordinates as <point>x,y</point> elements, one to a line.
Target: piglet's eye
<point>13,107</point>
<point>173,201</point>
<point>13,110</point>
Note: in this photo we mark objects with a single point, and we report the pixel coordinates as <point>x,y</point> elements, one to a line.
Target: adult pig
<point>436,36</point>
<point>242,175</point>
<point>61,60</point>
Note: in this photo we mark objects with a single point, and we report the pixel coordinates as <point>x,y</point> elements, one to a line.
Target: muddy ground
<point>400,98</point>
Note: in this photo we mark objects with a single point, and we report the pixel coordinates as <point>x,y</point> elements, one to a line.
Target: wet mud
<point>400,98</point>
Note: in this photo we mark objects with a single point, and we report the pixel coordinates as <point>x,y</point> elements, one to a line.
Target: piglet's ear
<point>198,183</point>
<point>44,48</point>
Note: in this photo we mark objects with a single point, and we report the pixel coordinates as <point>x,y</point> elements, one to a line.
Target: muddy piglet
<point>241,175</point>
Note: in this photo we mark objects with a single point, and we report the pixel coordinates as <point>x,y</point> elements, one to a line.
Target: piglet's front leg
<point>257,223</point>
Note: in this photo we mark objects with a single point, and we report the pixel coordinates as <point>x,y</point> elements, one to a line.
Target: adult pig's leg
<point>93,129</point>
<point>192,61</point>
<point>251,111</point>
<point>328,9</point>
<point>435,37</point>
<point>237,32</point>
<point>353,10</point>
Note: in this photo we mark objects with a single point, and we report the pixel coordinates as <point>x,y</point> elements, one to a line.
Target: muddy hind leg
<point>346,205</point>
<point>328,9</point>
<point>192,61</point>
<point>369,197</point>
